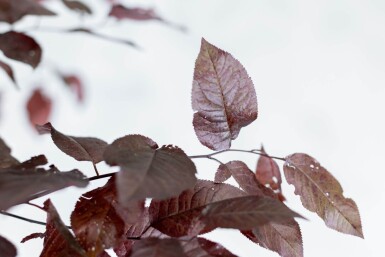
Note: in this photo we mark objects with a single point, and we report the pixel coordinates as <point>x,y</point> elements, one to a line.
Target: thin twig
<point>253,151</point>
<point>22,218</point>
<point>96,169</point>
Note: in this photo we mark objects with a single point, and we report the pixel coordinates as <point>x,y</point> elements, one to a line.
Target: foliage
<point>182,207</point>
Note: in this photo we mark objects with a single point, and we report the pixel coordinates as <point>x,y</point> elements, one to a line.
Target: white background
<point>317,66</point>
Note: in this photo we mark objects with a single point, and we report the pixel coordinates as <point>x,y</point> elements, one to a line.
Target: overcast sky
<point>317,66</point>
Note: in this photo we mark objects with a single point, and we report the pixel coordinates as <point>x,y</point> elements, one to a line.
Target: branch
<point>253,151</point>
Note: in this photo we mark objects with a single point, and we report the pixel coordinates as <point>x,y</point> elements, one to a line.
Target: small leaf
<point>74,82</point>
<point>80,148</point>
<point>32,163</point>
<point>20,47</point>
<point>178,216</point>
<point>99,221</point>
<point>268,172</point>
<point>149,171</point>
<point>6,159</point>
<point>223,97</point>
<point>202,247</point>
<point>39,108</point>
<point>284,238</point>
<point>13,10</point>
<point>223,173</point>
<point>7,249</point>
<point>121,12</point>
<point>321,193</point>
<point>19,186</point>
<point>246,212</point>
<point>58,239</point>
<point>32,236</point>
<point>156,247</point>
<point>77,6</point>
<point>8,70</point>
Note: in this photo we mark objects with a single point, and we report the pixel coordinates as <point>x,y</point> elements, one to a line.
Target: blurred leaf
<point>223,97</point>
<point>8,70</point>
<point>6,159</point>
<point>20,47</point>
<point>13,10</point>
<point>7,249</point>
<point>77,6</point>
<point>321,193</point>
<point>39,108</point>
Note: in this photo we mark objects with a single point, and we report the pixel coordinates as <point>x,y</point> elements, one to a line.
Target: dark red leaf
<point>75,84</point>
<point>268,173</point>
<point>155,247</point>
<point>121,12</point>
<point>149,171</point>
<point>223,97</point>
<point>201,247</point>
<point>39,108</point>
<point>80,148</point>
<point>77,6</point>
<point>124,249</point>
<point>99,221</point>
<point>179,216</point>
<point>8,70</point>
<point>58,241</point>
<point>7,249</point>
<point>6,159</point>
<point>19,186</point>
<point>246,212</point>
<point>32,236</point>
<point>31,163</point>
<point>13,10</point>
<point>223,173</point>
<point>20,47</point>
<point>283,238</point>
<point>321,193</point>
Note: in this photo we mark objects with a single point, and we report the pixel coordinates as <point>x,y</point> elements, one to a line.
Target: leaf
<point>77,6</point>
<point>201,247</point>
<point>155,247</point>
<point>99,221</point>
<point>223,173</point>
<point>8,70</point>
<point>13,10</point>
<point>321,193</point>
<point>121,12</point>
<point>283,238</point>
<point>19,186</point>
<point>149,171</point>
<point>268,173</point>
<point>80,148</point>
<point>20,47</point>
<point>246,212</point>
<point>58,241</point>
<point>74,82</point>
<point>32,236</point>
<point>32,163</point>
<point>6,159</point>
<point>178,216</point>
<point>223,97</point>
<point>7,249</point>
<point>39,108</point>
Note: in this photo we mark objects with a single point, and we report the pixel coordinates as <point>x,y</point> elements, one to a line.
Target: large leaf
<point>99,221</point>
<point>149,171</point>
<point>39,108</point>
<point>284,238</point>
<point>223,97</point>
<point>155,247</point>
<point>8,70</point>
<point>20,47</point>
<point>177,216</point>
<point>19,186</point>
<point>6,159</point>
<point>7,249</point>
<point>246,212</point>
<point>321,193</point>
<point>13,10</point>
<point>58,240</point>
<point>81,148</point>
<point>201,247</point>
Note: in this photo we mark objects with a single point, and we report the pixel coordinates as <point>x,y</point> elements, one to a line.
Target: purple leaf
<point>155,247</point>
<point>321,193</point>
<point>77,6</point>
<point>13,10</point>
<point>80,148</point>
<point>149,171</point>
<point>7,249</point>
<point>39,108</point>
<point>201,247</point>
<point>223,97</point>
<point>223,173</point>
<point>20,47</point>
<point>121,12</point>
<point>6,159</point>
<point>8,70</point>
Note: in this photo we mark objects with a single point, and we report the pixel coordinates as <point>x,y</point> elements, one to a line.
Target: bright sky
<point>318,71</point>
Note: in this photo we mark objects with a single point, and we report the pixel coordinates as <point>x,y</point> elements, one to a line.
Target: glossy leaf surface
<point>223,97</point>
<point>149,171</point>
<point>321,193</point>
